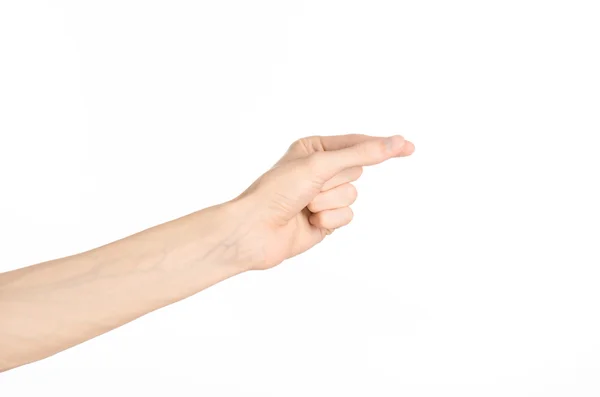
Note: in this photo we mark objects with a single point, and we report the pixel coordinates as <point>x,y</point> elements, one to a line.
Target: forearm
<point>54,305</point>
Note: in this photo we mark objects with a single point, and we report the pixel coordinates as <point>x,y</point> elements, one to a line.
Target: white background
<point>470,269</point>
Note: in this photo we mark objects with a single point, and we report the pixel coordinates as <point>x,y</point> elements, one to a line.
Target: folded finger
<point>341,196</point>
<point>332,219</point>
<point>348,175</point>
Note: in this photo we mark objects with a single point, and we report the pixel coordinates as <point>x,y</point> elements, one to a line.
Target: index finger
<point>337,142</point>
<point>368,152</point>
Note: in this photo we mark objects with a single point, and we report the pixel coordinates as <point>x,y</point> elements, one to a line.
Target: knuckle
<point>296,145</point>
<point>301,144</point>
<point>313,143</point>
<point>307,144</point>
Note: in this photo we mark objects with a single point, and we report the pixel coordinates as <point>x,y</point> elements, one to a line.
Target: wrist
<point>221,237</point>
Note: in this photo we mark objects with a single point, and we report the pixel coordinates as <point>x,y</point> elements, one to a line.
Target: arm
<point>51,306</point>
<point>54,305</point>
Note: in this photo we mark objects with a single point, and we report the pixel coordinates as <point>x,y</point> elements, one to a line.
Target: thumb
<point>329,163</point>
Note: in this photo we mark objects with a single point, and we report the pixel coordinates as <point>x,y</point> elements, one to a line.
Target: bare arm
<point>54,305</point>
<point>51,306</point>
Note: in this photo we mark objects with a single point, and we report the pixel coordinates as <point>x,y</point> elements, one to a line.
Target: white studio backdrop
<point>470,269</point>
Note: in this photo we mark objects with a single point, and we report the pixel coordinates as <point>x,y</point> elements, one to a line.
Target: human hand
<point>286,211</point>
<point>307,194</point>
<point>289,209</point>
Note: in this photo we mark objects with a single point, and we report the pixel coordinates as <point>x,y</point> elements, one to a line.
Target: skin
<point>52,306</point>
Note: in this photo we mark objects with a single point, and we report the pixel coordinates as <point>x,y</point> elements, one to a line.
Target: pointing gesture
<point>51,306</point>
<point>307,194</point>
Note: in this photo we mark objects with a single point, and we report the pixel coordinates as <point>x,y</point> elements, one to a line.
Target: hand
<point>51,306</point>
<point>308,193</point>
<point>54,305</point>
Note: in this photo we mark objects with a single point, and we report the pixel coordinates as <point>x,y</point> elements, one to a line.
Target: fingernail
<point>394,143</point>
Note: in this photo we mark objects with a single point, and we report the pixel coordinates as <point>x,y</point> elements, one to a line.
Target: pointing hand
<point>308,193</point>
